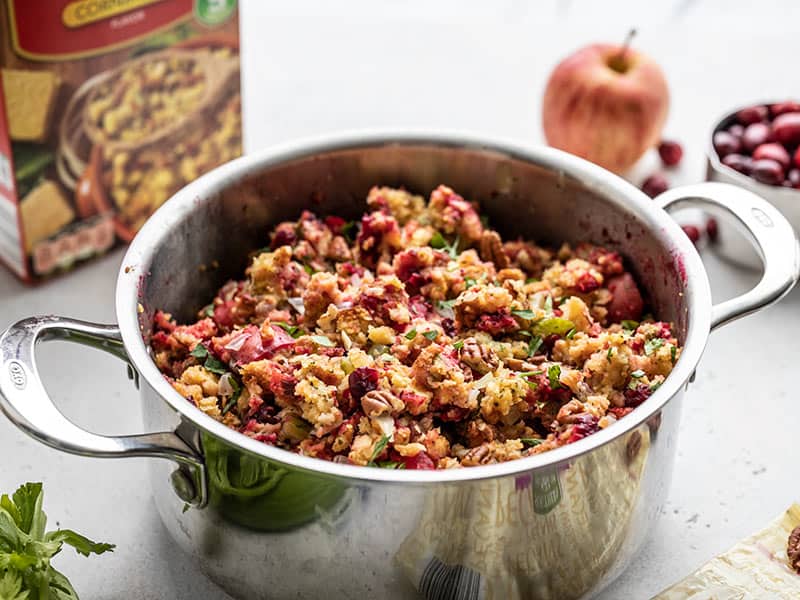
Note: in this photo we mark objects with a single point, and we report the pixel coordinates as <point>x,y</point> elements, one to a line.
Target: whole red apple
<point>607,104</point>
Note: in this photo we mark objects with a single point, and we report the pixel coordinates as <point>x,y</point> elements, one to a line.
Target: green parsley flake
<point>292,330</point>
<point>200,351</point>
<point>431,335</point>
<point>651,346</point>
<point>629,325</point>
<point>411,334</point>
<point>571,333</point>
<point>528,315</point>
<point>459,344</point>
<point>553,326</point>
<point>438,241</point>
<point>308,269</point>
<point>534,344</point>
<point>637,374</point>
<point>609,354</point>
<point>380,445</point>
<point>673,352</point>
<point>215,365</point>
<point>531,442</point>
<point>209,310</point>
<point>553,376</point>
<point>391,464</point>
<point>469,282</point>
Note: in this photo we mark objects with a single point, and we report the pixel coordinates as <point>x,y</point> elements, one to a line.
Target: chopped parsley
<point>531,280</point>
<point>391,464</point>
<point>629,325</point>
<point>637,374</point>
<point>411,334</point>
<point>200,351</point>
<point>553,376</point>
<point>534,344</point>
<point>237,391</point>
<point>673,352</point>
<point>209,310</point>
<point>215,365</point>
<point>431,335</point>
<point>323,341</point>
<point>469,282</point>
<point>571,333</point>
<point>609,354</point>
<point>531,442</point>
<point>459,344</point>
<point>524,314</point>
<point>380,445</point>
<point>438,241</point>
<point>308,269</point>
<point>292,330</point>
<point>553,326</point>
<point>655,385</point>
<point>651,346</point>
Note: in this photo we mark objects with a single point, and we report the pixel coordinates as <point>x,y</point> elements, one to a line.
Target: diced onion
<point>346,341</point>
<point>386,424</point>
<point>473,395</point>
<point>356,280</point>
<point>445,312</point>
<point>236,343</point>
<point>225,386</point>
<point>344,305</point>
<point>297,304</point>
<point>482,382</point>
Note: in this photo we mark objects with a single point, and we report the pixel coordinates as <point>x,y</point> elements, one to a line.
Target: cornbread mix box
<point>107,107</point>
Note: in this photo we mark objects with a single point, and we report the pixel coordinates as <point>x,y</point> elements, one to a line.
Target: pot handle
<point>27,404</point>
<point>769,231</point>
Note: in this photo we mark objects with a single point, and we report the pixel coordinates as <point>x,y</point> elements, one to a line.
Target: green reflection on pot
<point>258,494</point>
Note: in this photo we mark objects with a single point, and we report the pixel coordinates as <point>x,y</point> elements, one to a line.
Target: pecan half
<point>516,364</point>
<point>478,357</point>
<point>793,549</point>
<point>476,456</point>
<point>491,250</point>
<point>380,402</point>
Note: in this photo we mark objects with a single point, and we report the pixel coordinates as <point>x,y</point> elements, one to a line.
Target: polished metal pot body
<point>264,523</point>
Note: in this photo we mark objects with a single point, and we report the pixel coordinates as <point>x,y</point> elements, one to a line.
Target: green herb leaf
<point>200,351</point>
<point>323,341</point>
<point>391,464</point>
<point>292,330</point>
<point>553,376</point>
<point>215,365</point>
<point>459,345</point>
<point>637,374</point>
<point>571,333</point>
<point>673,352</point>
<point>411,334</point>
<point>531,442</point>
<point>82,544</point>
<point>209,310</point>
<point>350,231</point>
<point>534,344</point>
<point>531,280</point>
<point>655,385</point>
<point>380,445</point>
<point>609,354</point>
<point>469,282</point>
<point>308,269</point>
<point>524,314</point>
<point>234,398</point>
<point>431,335</point>
<point>553,326</point>
<point>438,241</point>
<point>651,346</point>
<point>629,325</point>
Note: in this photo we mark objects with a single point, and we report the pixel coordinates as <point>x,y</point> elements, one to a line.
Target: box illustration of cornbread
<point>107,108</point>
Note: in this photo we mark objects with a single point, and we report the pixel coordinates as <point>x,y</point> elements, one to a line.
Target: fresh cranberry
<point>496,323</point>
<point>784,107</point>
<point>584,425</point>
<point>361,381</point>
<point>670,152</point>
<point>736,130</point>
<point>786,128</point>
<point>752,114</point>
<point>774,152</point>
<point>586,283</point>
<point>726,143</point>
<point>335,224</point>
<point>738,162</point>
<point>634,397</point>
<point>767,171</point>
<point>793,179</point>
<point>620,412</point>
<point>449,327</point>
<point>796,158</point>
<point>655,185</point>
<point>420,462</point>
<point>626,300</point>
<point>285,235</point>
<point>755,135</point>
<point>712,230</point>
<point>692,232</point>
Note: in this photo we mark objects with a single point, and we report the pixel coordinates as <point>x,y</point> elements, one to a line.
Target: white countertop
<point>462,65</point>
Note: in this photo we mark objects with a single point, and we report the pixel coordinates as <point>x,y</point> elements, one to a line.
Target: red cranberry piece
<point>738,162</point>
<point>726,143</point>
<point>774,152</point>
<point>585,425</point>
<point>655,185</point>
<point>419,462</point>
<point>692,232</point>
<point>634,397</point>
<point>752,114</point>
<point>786,128</point>
<point>797,157</point>
<point>712,230</point>
<point>784,107</point>
<point>284,236</point>
<point>767,171</point>
<point>670,152</point>
<point>361,381</point>
<point>626,300</point>
<point>755,135</point>
<point>793,179</point>
<point>736,130</point>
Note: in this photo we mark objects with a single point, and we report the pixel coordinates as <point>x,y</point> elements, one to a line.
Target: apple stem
<point>626,44</point>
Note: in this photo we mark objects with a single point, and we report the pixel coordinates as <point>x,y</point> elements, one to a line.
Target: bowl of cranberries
<point>758,147</point>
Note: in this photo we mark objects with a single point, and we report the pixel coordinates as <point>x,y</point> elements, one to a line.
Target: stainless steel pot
<point>733,243</point>
<point>265,523</point>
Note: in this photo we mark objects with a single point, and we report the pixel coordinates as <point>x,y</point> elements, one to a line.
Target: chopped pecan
<point>476,456</point>
<point>380,402</point>
<point>478,356</point>
<point>516,364</point>
<point>491,250</point>
<point>793,549</point>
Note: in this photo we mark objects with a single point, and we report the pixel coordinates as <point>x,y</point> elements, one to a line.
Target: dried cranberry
<point>620,412</point>
<point>692,232</point>
<point>767,171</point>
<point>755,135</point>
<point>796,157</point>
<point>419,307</point>
<point>496,323</point>
<point>586,283</point>
<point>449,326</point>
<point>361,381</point>
<point>655,185</point>
<point>726,143</point>
<point>420,462</point>
<point>284,236</point>
<point>774,152</point>
<point>634,397</point>
<point>584,425</point>
<point>786,128</point>
<point>712,230</point>
<point>335,224</point>
<point>738,162</point>
<point>670,152</point>
<point>752,114</point>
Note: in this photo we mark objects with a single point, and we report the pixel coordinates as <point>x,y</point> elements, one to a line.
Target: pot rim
<point>140,252</point>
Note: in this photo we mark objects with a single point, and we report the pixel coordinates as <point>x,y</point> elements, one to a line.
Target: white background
<point>312,67</point>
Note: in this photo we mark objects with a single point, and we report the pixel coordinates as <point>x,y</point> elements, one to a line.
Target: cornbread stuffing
<point>418,339</point>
